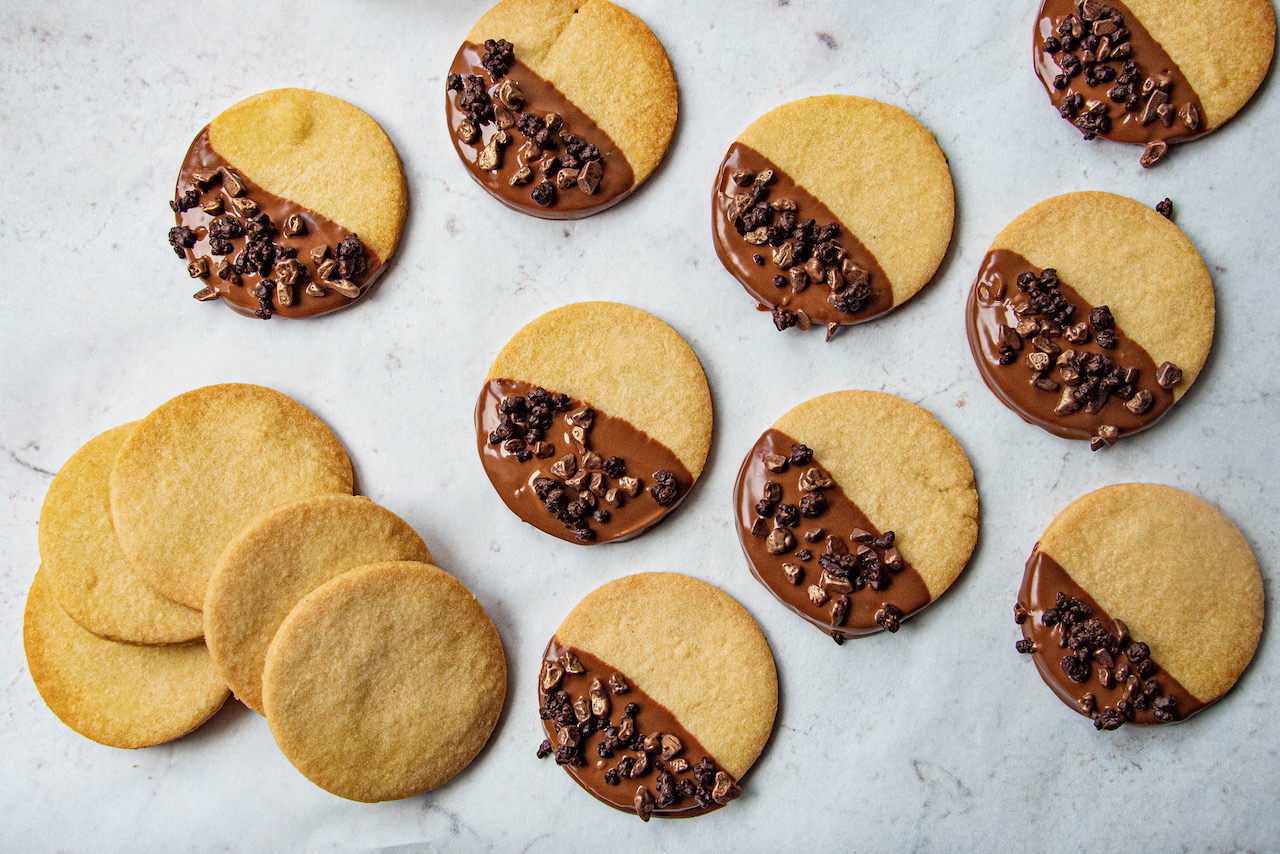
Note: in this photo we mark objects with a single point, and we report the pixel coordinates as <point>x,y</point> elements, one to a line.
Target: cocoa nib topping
<point>1093,652</point>
<point>577,485</point>
<point>652,769</point>
<point>247,248</point>
<point>551,158</point>
<point>1107,81</point>
<point>805,253</point>
<point>1069,355</point>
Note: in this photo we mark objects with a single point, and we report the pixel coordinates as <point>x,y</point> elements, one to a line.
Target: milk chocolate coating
<point>1043,580</point>
<point>608,436</point>
<point>319,231</point>
<point>737,254</point>
<point>990,307</point>
<point>653,717</point>
<point>1151,59</point>
<point>907,590</point>
<point>540,97</point>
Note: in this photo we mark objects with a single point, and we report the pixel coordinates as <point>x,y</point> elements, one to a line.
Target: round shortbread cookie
<point>117,694</point>
<point>868,167</point>
<point>202,465</point>
<point>1108,251</point>
<point>693,661</point>
<point>1135,553</point>
<point>1153,72</point>
<point>85,569</point>
<point>329,183</point>
<point>883,535</point>
<point>280,557</point>
<point>385,682</point>
<point>598,68</point>
<point>651,409</point>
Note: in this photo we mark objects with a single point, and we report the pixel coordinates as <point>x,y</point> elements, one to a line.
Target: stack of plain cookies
<point>215,546</point>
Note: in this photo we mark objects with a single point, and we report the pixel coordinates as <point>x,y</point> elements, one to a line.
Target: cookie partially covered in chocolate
<point>289,203</point>
<point>594,422</point>
<point>1120,615</point>
<point>856,509</point>
<point>833,210</point>
<point>561,108</point>
<point>1091,316</point>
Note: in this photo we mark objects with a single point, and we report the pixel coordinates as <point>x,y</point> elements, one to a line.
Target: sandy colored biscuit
<point>280,557</point>
<point>86,571</point>
<point>1117,252</point>
<point>902,468</point>
<point>1175,570</point>
<point>385,682</point>
<point>623,361</point>
<point>692,648</point>
<point>877,168</point>
<point>202,465</point>
<point>321,153</point>
<point>117,694</point>
<point>603,59</point>
<point>1222,47</point>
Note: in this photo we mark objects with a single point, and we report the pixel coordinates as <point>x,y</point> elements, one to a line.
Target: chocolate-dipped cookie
<point>1091,316</point>
<point>561,108</point>
<point>856,509</point>
<point>289,203</point>
<point>1152,72</point>
<point>833,210</point>
<point>594,422</point>
<point>658,693</point>
<point>1122,617</point>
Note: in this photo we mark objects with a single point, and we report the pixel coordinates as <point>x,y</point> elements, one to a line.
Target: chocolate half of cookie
<point>525,142</point>
<point>571,470</point>
<point>1109,77</point>
<point>789,250</point>
<point>622,746</point>
<point>815,550</point>
<point>261,254</point>
<point>1089,659</point>
<point>1059,362</point>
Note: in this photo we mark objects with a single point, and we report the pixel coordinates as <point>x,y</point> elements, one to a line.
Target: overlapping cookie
<point>561,108</point>
<point>1152,72</point>
<point>833,210</point>
<point>658,693</point>
<point>1091,316</point>
<point>289,203</point>
<point>856,509</point>
<point>1120,614</point>
<point>594,422</point>
<point>384,682</point>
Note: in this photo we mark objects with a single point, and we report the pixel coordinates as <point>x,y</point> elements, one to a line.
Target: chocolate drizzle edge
<point>867,611</point>
<point>1112,670</point>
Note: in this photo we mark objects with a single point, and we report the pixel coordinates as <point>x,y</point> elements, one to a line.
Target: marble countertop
<point>938,738</point>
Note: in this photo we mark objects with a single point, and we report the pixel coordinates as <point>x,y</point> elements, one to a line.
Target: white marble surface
<point>938,738</point>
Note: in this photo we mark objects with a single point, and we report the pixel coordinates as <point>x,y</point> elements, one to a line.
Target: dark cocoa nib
<point>351,257</point>
<point>498,57</point>
<point>180,238</point>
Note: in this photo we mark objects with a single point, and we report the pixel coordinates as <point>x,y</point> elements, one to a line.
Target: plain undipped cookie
<point>385,682</point>
<point>117,694</point>
<point>84,568</point>
<point>202,465</point>
<point>1140,551</point>
<point>280,557</point>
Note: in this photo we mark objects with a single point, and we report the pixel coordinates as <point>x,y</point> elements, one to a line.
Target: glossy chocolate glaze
<point>541,97</point>
<point>1147,53</point>
<point>653,717</point>
<point>320,231</point>
<point>737,254</point>
<point>1043,580</point>
<point>907,590</point>
<point>608,436</point>
<point>991,307</point>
